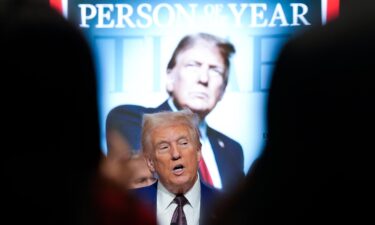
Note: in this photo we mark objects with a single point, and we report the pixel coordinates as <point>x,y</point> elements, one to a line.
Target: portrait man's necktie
<point>179,217</point>
<point>205,174</point>
<point>203,169</point>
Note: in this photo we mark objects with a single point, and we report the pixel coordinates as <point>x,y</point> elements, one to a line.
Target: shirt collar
<point>203,130</point>
<point>172,105</point>
<point>193,195</point>
<point>165,198</point>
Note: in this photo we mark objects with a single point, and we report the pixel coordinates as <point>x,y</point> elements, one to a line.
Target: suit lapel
<point>163,107</point>
<point>207,199</point>
<point>218,147</point>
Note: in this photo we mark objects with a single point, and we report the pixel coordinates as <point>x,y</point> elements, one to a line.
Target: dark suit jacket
<point>209,196</point>
<point>127,119</point>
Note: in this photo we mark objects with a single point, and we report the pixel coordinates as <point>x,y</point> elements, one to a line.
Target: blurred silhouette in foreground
<point>318,164</point>
<point>49,108</point>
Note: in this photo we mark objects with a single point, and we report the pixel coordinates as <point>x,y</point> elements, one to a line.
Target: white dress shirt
<point>207,152</point>
<point>165,206</point>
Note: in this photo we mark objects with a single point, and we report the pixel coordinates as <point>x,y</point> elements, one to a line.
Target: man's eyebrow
<point>216,66</point>
<point>194,61</point>
<point>182,137</point>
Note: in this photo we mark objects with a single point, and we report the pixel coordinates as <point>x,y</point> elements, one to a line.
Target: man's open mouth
<point>178,169</point>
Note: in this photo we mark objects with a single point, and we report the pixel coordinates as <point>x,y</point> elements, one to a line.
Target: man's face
<point>174,157</point>
<point>197,80</point>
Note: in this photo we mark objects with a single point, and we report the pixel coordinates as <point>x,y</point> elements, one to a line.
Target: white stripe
<point>65,8</point>
<point>324,12</point>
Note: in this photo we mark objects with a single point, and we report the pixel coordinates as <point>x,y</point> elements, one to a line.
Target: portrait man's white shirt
<point>165,206</point>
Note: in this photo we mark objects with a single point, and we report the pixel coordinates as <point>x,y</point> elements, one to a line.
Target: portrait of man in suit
<point>171,145</point>
<point>196,78</point>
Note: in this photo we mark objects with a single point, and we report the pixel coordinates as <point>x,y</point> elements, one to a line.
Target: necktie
<point>203,170</point>
<point>179,217</point>
<point>205,174</point>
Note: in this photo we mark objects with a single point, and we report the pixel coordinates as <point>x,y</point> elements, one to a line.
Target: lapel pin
<point>221,143</point>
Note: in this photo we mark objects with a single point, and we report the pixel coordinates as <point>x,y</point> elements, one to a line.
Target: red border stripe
<point>56,4</point>
<point>333,7</point>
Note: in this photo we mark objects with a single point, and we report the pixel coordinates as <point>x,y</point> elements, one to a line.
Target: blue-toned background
<point>132,52</point>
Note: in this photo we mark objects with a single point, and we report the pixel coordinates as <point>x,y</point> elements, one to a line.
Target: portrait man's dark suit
<point>127,119</point>
<point>208,198</point>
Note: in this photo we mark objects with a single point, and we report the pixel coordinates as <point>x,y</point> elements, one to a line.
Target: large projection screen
<point>133,41</point>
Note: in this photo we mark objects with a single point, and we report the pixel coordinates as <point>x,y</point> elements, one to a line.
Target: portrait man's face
<point>174,157</point>
<point>197,80</point>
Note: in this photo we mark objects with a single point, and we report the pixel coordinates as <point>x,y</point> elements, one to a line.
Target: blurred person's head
<point>114,166</point>
<point>124,166</point>
<point>126,169</point>
<point>197,73</point>
<point>117,145</point>
<point>141,175</point>
<point>170,141</point>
